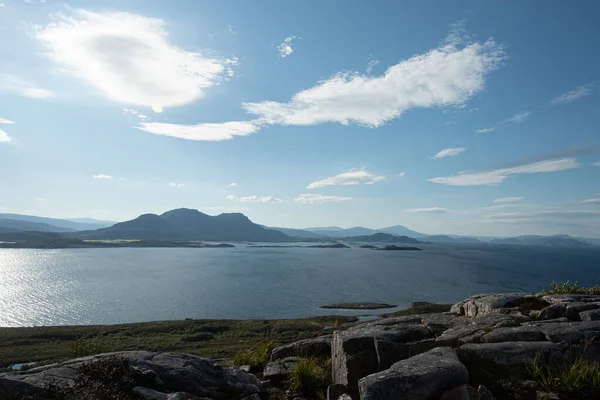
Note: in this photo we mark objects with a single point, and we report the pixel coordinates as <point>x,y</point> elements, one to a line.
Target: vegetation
<point>568,288</point>
<point>578,376</point>
<point>257,357</point>
<point>311,377</point>
<point>229,337</point>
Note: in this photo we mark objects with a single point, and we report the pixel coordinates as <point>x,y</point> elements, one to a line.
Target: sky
<point>463,117</point>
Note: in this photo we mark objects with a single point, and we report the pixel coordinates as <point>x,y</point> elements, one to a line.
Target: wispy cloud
<point>16,85</point>
<point>5,121</point>
<point>232,185</point>
<point>401,174</point>
<point>591,201</point>
<point>496,177</point>
<point>352,177</point>
<point>129,58</point>
<point>102,176</point>
<point>213,132</point>
<point>572,95</point>
<point>176,185</point>
<point>40,199</point>
<point>430,210</point>
<point>451,152</point>
<point>508,199</point>
<point>445,76</point>
<point>596,164</point>
<point>518,118</point>
<point>312,198</point>
<point>255,199</point>
<point>285,48</point>
<point>486,130</point>
<point>4,138</point>
<point>372,64</point>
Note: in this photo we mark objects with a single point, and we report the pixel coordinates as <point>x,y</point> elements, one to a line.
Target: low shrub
<point>568,288</point>
<point>256,357</point>
<point>198,337</point>
<point>311,377</point>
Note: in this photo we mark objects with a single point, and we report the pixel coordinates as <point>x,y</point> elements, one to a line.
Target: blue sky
<point>461,117</point>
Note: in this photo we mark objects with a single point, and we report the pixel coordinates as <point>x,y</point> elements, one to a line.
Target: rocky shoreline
<point>493,346</point>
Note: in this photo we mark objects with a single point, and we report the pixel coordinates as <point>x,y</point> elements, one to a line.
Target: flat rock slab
<point>279,370</point>
<point>359,306</point>
<point>317,347</point>
<point>487,303</point>
<point>514,334</point>
<point>570,332</point>
<point>426,376</point>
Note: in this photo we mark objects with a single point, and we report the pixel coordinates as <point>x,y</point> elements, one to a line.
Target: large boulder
<point>570,332</point>
<point>573,309</point>
<point>423,377</point>
<point>514,334</point>
<point>487,303</point>
<point>171,373</point>
<point>279,370</point>
<point>317,347</point>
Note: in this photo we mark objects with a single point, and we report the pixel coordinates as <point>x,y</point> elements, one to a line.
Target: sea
<point>120,285</point>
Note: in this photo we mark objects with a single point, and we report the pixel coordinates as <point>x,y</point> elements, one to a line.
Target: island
<point>359,306</point>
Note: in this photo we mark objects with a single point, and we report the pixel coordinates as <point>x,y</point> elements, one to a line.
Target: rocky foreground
<point>486,347</point>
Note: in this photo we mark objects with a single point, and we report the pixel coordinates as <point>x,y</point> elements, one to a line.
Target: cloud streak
<point>496,177</point>
<point>176,185</point>
<point>508,199</point>
<point>312,198</point>
<point>213,132</point>
<point>451,152</point>
<point>352,177</point>
<point>518,118</point>
<point>430,210</point>
<point>255,199</point>
<point>6,121</point>
<point>129,58</point>
<point>445,76</point>
<point>572,95</point>
<point>19,86</point>
<point>486,130</point>
<point>102,176</point>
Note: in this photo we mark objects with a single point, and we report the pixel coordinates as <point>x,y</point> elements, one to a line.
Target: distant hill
<point>400,230</point>
<point>187,224</point>
<point>17,225</point>
<point>382,238</point>
<point>324,228</point>
<point>534,240</point>
<point>299,233</point>
<point>92,221</point>
<point>337,232</point>
<point>449,239</point>
<point>57,222</point>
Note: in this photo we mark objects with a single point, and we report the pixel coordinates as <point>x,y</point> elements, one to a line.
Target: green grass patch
<point>571,288</point>
<point>311,377</point>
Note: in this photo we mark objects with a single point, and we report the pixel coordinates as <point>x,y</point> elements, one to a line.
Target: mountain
<point>336,232</point>
<point>17,225</point>
<point>535,240</point>
<point>105,224</point>
<point>298,233</point>
<point>400,230</point>
<point>187,224</point>
<point>60,223</point>
<point>382,238</point>
<point>324,228</point>
<point>449,239</point>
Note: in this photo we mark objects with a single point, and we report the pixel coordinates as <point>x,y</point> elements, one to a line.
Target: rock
<point>590,315</point>
<point>277,371</point>
<point>552,312</point>
<point>514,334</point>
<point>486,303</point>
<point>335,391</point>
<point>150,394</point>
<point>464,392</point>
<point>178,373</point>
<point>344,397</point>
<point>253,397</point>
<point>502,360</point>
<point>423,377</point>
<point>317,347</point>
<point>571,332</point>
<point>573,309</point>
<point>438,323</point>
<point>355,353</point>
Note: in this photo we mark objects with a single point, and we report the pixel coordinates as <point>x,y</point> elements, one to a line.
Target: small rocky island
<point>358,306</point>
<point>493,346</point>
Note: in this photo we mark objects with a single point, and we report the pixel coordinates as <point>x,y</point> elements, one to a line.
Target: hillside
<point>17,225</point>
<point>188,224</point>
<point>534,240</point>
<point>383,238</point>
<point>336,232</point>
<point>449,239</point>
<point>67,225</point>
<point>297,233</point>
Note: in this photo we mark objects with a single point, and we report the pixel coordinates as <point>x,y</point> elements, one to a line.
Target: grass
<point>258,356</point>
<point>311,377</point>
<point>578,376</point>
<point>571,288</point>
<point>420,308</point>
<point>207,338</point>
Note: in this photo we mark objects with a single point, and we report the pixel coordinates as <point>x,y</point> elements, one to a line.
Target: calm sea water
<point>106,286</point>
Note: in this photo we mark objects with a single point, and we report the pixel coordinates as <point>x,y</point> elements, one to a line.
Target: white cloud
<point>14,84</point>
<point>517,118</point>
<point>430,210</point>
<point>596,164</point>
<point>4,138</point>
<point>102,176</point>
<point>313,198</point>
<point>129,58</point>
<point>449,152</point>
<point>352,177</point>
<point>232,185</point>
<point>176,185</point>
<point>372,64</point>
<point>142,117</point>
<point>130,111</point>
<point>495,177</point>
<point>40,199</point>
<point>446,76</point>
<point>5,121</point>
<point>209,131</point>
<point>486,130</point>
<point>285,48</point>
<point>572,95</point>
<point>591,201</point>
<point>255,199</point>
<point>508,199</point>
<point>401,174</point>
